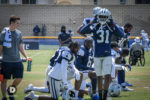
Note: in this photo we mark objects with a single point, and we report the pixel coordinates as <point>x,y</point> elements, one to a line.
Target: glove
<point>111,23</point>
<point>94,20</point>
<point>65,86</point>
<point>77,76</point>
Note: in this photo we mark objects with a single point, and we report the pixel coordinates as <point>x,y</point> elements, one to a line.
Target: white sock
<point>36,97</point>
<point>76,92</point>
<point>41,89</point>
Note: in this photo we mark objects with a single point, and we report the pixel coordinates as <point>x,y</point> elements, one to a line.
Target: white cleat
<point>127,89</point>
<point>29,88</point>
<point>30,96</point>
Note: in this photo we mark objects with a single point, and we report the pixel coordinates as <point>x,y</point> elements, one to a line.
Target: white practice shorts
<point>70,75</point>
<point>54,86</point>
<point>85,76</point>
<point>103,65</point>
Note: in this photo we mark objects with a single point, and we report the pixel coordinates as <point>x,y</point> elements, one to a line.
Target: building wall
<point>107,2</point>
<point>73,2</point>
<point>56,15</point>
<point>77,2</point>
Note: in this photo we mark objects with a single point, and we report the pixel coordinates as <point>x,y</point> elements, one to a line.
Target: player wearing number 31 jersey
<point>102,28</point>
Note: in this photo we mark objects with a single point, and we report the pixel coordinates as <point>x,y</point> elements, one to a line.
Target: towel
<point>7,41</point>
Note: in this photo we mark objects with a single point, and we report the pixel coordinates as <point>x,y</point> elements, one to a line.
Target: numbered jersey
<point>61,64</point>
<point>58,56</point>
<point>102,38</point>
<point>84,59</point>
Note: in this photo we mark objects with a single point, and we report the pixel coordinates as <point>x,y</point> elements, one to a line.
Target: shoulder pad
<point>67,55</point>
<point>81,52</point>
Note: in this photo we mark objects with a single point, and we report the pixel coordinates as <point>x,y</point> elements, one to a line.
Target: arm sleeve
<point>64,64</point>
<point>118,31</point>
<point>20,41</point>
<point>59,36</point>
<point>86,29</point>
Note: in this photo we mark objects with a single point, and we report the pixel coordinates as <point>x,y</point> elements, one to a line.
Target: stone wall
<point>53,16</point>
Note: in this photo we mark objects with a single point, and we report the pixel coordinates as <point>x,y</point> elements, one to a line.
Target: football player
<point>83,62</point>
<point>121,73</point>
<point>145,39</point>
<point>102,51</point>
<point>57,77</point>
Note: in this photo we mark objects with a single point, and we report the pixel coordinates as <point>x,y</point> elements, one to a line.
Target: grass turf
<point>139,77</point>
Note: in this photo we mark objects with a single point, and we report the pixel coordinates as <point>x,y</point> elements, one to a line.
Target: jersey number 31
<point>102,35</point>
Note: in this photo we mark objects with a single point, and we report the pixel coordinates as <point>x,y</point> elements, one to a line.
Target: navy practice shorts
<point>14,69</point>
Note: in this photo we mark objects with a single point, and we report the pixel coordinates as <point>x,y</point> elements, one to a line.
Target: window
<point>4,1</point>
<point>95,2</point>
<point>122,1</point>
<point>142,1</point>
<point>28,1</point>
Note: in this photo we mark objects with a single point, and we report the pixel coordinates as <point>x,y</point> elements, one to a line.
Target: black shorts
<point>12,68</point>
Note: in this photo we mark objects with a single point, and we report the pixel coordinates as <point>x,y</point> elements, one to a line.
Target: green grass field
<point>139,77</point>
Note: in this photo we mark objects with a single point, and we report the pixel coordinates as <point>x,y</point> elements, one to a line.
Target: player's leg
<point>107,69</point>
<point>78,83</point>
<point>6,70</point>
<point>93,77</point>
<point>98,69</point>
<point>39,89</point>
<point>54,87</point>
<point>3,89</point>
<point>82,87</point>
<point>17,72</point>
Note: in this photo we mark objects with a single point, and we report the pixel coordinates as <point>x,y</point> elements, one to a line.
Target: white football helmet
<point>142,31</point>
<point>114,89</point>
<point>103,15</point>
<point>96,10</point>
<point>69,95</point>
<point>137,40</point>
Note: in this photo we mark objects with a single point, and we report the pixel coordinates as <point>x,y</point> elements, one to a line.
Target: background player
<point>56,80</point>
<point>83,62</point>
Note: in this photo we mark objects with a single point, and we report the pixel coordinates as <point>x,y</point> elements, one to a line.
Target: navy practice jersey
<point>65,36</point>
<point>102,38</point>
<point>61,53</point>
<point>84,59</point>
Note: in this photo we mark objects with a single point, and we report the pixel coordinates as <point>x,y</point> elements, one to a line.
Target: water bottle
<point>29,64</point>
<point>1,75</point>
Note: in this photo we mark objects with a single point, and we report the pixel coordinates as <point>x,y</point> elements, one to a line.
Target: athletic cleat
<point>4,98</point>
<point>96,97</point>
<point>30,96</point>
<point>126,89</point>
<point>128,84</point>
<point>29,88</point>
